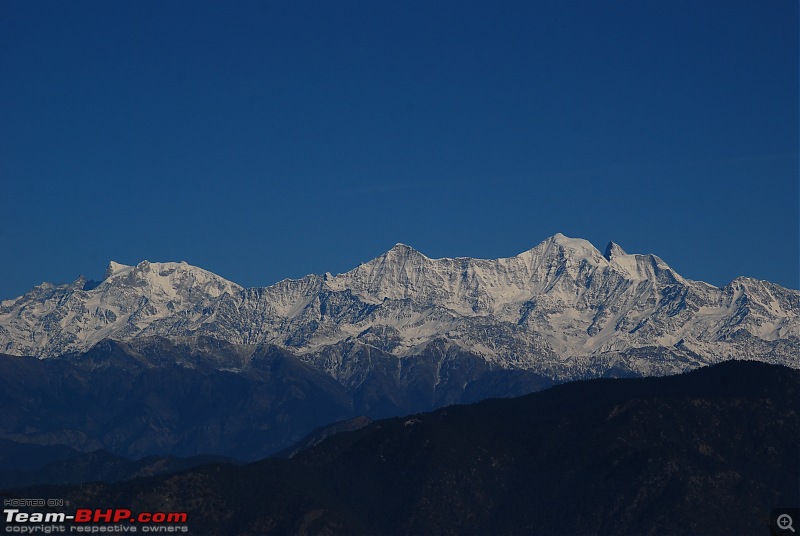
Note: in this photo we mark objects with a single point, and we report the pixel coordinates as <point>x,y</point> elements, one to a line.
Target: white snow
<point>561,304</point>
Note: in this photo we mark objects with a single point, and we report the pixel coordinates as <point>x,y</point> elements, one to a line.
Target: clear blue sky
<point>265,140</point>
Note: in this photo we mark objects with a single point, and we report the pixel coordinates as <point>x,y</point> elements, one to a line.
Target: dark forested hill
<point>708,452</point>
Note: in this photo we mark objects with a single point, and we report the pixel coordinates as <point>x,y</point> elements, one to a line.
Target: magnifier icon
<point>785,522</point>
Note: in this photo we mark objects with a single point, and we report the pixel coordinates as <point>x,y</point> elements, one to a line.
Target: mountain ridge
<point>562,308</point>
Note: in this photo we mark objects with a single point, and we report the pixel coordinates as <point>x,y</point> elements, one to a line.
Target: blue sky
<point>265,140</point>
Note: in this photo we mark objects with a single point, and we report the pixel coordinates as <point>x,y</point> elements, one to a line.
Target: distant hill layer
<point>161,397</point>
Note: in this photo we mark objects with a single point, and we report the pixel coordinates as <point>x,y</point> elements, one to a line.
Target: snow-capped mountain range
<point>562,309</point>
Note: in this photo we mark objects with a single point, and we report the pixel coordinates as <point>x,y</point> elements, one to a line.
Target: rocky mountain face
<point>562,310</point>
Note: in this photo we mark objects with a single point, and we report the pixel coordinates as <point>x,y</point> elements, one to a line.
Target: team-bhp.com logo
<point>94,520</point>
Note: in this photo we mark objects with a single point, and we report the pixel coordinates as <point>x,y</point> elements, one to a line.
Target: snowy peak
<point>564,250</point>
<point>130,301</point>
<point>400,254</point>
<point>613,250</point>
<point>402,250</point>
<point>471,286</point>
<point>168,279</point>
<point>555,267</point>
<point>394,275</point>
<point>576,246</point>
<point>115,268</point>
<point>638,267</point>
<point>645,267</point>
